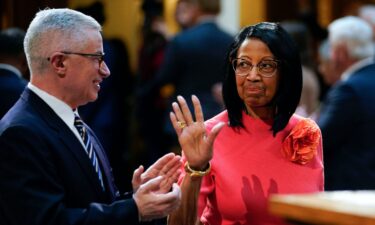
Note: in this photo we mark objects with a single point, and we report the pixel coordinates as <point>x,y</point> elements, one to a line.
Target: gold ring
<point>181,124</point>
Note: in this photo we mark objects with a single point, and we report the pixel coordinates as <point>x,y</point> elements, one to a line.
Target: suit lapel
<point>66,136</point>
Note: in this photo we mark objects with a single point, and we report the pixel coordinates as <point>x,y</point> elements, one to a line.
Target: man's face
<point>330,75</point>
<point>339,58</point>
<point>85,72</point>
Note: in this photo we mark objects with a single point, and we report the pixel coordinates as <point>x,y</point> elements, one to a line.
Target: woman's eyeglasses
<point>265,68</point>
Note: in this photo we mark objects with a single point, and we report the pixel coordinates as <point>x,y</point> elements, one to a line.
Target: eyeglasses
<point>98,56</point>
<point>266,67</point>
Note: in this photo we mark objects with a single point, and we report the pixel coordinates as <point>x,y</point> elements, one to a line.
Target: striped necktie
<point>86,138</point>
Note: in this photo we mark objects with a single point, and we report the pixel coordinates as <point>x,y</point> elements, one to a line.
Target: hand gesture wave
<point>194,140</point>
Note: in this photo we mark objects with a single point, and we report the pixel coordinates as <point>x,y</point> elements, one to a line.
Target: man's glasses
<point>98,56</point>
<point>265,68</point>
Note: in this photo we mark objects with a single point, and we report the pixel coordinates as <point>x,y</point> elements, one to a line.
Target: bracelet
<point>197,173</point>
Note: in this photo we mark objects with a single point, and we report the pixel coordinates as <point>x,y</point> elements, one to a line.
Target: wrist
<point>197,173</point>
<point>198,168</point>
<point>137,205</point>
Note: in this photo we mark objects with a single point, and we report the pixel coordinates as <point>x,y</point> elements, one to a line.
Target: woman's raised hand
<point>194,140</point>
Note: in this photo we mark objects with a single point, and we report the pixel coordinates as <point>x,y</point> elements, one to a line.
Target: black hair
<point>289,89</point>
<point>11,41</point>
<point>95,10</point>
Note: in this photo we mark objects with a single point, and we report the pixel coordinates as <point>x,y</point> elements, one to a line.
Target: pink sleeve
<point>207,187</point>
<point>320,161</point>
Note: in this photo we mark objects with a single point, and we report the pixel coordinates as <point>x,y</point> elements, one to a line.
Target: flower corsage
<point>300,146</point>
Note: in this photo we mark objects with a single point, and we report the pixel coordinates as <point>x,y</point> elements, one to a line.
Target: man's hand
<point>167,166</point>
<point>154,205</point>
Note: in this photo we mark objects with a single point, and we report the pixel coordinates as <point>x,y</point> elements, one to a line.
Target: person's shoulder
<point>20,115</point>
<point>365,73</point>
<point>302,122</point>
<point>295,119</point>
<point>14,118</point>
<point>303,133</point>
<point>221,117</point>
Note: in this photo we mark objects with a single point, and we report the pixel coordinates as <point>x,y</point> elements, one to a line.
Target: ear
<point>340,58</point>
<point>342,53</point>
<point>57,61</point>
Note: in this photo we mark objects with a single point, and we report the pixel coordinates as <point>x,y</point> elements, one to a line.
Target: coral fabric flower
<point>300,146</point>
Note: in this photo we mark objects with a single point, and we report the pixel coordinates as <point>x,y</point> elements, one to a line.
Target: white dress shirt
<point>63,110</point>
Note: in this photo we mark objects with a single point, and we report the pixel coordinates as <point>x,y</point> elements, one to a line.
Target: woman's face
<point>255,89</point>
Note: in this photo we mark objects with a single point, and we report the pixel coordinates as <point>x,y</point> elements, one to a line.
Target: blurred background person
<point>13,68</point>
<point>347,118</point>
<point>326,68</point>
<point>193,61</point>
<point>150,107</point>
<point>109,116</point>
<point>309,103</point>
<point>184,14</point>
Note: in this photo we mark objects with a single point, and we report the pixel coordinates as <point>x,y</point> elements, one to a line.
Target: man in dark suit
<point>12,67</point>
<point>194,59</point>
<point>53,169</point>
<point>347,118</point>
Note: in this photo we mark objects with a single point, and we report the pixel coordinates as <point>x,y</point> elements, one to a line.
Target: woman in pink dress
<point>257,146</point>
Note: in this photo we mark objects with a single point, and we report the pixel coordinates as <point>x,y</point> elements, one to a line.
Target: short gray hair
<point>355,33</point>
<point>55,30</point>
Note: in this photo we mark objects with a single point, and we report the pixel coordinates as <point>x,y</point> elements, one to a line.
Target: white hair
<point>355,33</point>
<point>55,30</point>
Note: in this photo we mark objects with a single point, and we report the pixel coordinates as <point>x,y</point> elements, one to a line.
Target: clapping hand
<point>155,190</point>
<point>194,140</point>
<point>167,166</point>
<point>152,204</point>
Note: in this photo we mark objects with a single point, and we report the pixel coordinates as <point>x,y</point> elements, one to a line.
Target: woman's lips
<point>254,90</point>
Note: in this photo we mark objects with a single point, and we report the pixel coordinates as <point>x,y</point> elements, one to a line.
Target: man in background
<point>194,59</point>
<point>13,67</point>
<point>347,119</point>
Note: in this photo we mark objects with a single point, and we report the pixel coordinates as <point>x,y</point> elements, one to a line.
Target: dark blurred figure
<point>109,115</point>
<point>150,108</point>
<point>347,118</point>
<point>307,15</point>
<point>309,103</point>
<point>13,67</point>
<point>194,61</point>
<point>184,14</point>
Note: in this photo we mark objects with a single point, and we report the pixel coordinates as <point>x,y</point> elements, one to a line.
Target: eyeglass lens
<point>265,68</point>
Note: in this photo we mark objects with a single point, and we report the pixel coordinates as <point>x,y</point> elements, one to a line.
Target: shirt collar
<point>63,110</point>
<point>356,66</point>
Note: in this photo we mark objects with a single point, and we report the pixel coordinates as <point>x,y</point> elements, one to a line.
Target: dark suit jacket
<point>46,176</point>
<point>194,61</point>
<point>11,87</point>
<point>347,122</point>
